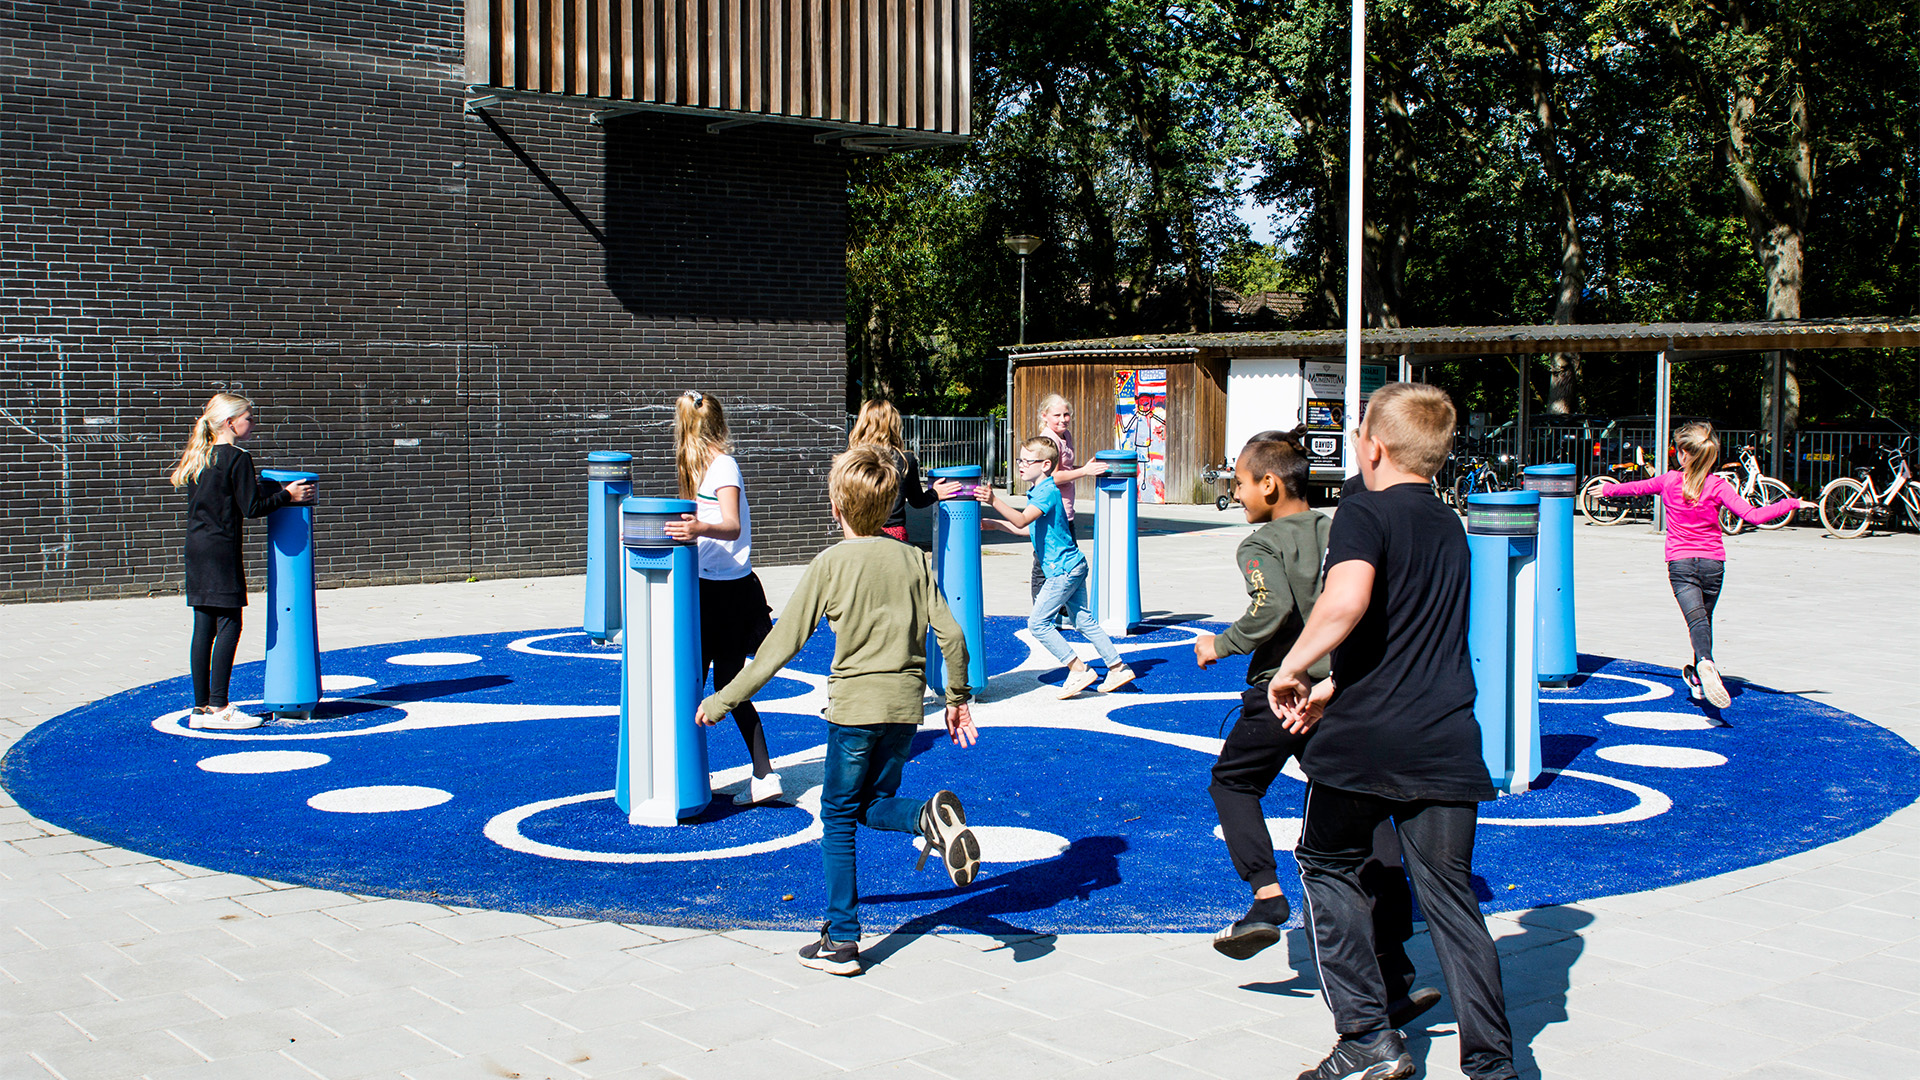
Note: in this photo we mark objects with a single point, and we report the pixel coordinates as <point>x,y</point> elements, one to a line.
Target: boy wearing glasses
<point>1044,519</point>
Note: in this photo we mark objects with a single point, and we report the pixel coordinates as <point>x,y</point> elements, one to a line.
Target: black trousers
<point>1336,837</point>
<point>216,634</point>
<point>734,620</point>
<point>1696,585</point>
<point>1254,753</point>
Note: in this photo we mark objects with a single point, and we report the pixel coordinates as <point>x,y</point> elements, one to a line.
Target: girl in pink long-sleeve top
<point>1696,558</point>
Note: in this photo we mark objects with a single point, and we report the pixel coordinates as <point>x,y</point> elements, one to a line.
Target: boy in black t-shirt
<point>1396,740</point>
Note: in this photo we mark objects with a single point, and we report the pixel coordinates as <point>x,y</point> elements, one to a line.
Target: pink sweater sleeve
<point>1720,491</point>
<point>1650,486</point>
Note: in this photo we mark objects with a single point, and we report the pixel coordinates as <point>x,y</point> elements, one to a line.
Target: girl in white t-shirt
<point>734,616</point>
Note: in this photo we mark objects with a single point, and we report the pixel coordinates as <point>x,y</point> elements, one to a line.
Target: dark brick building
<point>287,199</point>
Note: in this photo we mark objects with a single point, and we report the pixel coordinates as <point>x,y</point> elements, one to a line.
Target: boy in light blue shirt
<point>1044,520</point>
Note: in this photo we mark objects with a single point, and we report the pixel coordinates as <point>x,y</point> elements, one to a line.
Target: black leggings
<point>216,633</point>
<point>1696,585</point>
<point>744,714</point>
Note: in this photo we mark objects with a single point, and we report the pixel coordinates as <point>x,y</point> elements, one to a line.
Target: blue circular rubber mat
<point>478,770</point>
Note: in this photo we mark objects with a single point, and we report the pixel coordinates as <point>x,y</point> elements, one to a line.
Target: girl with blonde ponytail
<point>223,490</point>
<point>734,615</point>
<point>1693,496</point>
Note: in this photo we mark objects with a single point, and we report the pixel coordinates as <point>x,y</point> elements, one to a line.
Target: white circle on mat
<point>264,761</point>
<point>1661,721</point>
<point>1012,844</point>
<point>1285,832</point>
<point>380,799</point>
<point>345,682</point>
<point>1662,757</point>
<point>433,659</point>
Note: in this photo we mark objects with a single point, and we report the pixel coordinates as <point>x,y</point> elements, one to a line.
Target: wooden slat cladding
<point>876,64</point>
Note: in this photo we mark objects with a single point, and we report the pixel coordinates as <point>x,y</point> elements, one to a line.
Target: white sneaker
<point>227,719</point>
<point>760,789</point>
<point>1118,676</point>
<point>1716,690</point>
<point>1078,679</point>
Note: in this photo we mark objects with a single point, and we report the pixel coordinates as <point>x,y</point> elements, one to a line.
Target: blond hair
<point>1414,421</point>
<point>699,436</point>
<point>221,408</point>
<point>878,425</point>
<point>1046,406</point>
<point>1043,448</point>
<point>1703,453</point>
<point>862,486</point>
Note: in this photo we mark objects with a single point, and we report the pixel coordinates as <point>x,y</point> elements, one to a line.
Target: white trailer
<point>1267,393</point>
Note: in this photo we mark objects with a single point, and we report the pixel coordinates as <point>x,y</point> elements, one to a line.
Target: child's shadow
<point>1088,864</point>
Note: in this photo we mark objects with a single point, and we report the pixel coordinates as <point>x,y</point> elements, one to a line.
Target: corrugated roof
<point>1430,341</point>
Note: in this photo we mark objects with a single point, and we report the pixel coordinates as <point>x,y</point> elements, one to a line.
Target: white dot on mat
<point>1661,721</point>
<point>381,799</point>
<point>345,682</point>
<point>1010,844</point>
<point>264,761</point>
<point>433,659</point>
<point>1662,757</point>
<point>1285,832</point>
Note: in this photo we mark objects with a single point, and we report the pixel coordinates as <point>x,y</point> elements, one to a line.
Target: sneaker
<point>1078,679</point>
<point>1118,676</point>
<point>760,789</point>
<point>1716,690</point>
<point>1379,1056</point>
<point>224,719</point>
<point>1693,684</point>
<point>832,957</point>
<point>1259,928</point>
<point>943,828</point>
<point>1410,1008</point>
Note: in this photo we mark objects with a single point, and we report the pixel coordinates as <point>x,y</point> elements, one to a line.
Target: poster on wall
<point>1140,424</point>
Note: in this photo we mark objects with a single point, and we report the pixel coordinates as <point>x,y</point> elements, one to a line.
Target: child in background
<point>879,425</point>
<point>734,616</point>
<point>1056,426</point>
<point>1693,495</point>
<point>879,598</point>
<point>1065,570</point>
<point>223,490</point>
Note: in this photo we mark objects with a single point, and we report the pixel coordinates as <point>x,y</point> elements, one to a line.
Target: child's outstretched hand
<point>960,725</point>
<point>300,491</point>
<point>946,488</point>
<point>683,530</point>
<point>1204,653</point>
<point>700,717</point>
<point>1288,694</point>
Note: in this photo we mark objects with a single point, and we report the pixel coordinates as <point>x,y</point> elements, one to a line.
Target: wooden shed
<point>1169,403</point>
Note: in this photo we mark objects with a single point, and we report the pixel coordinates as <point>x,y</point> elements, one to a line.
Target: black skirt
<point>734,617</point>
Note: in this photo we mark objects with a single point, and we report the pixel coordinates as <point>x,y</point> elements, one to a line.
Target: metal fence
<point>943,441</point>
<point>1813,460</point>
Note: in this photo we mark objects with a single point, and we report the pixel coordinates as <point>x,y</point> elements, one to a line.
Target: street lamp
<point>1023,245</point>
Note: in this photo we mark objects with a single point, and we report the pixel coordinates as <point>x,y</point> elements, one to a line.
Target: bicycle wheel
<point>1845,510</point>
<point>1772,491</point>
<point>1601,511</point>
<point>1462,487</point>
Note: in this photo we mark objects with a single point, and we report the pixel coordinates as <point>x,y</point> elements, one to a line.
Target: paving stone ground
<point>117,965</point>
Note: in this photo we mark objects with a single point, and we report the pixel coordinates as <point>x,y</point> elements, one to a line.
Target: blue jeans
<point>1069,591</point>
<point>863,771</point>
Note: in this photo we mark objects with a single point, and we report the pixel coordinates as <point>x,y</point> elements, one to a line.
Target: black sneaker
<point>1412,1007</point>
<point>1259,928</point>
<point>832,957</point>
<point>1694,693</point>
<point>1379,1056</point>
<point>943,829</point>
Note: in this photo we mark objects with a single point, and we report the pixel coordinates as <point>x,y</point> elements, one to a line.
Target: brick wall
<point>285,199</point>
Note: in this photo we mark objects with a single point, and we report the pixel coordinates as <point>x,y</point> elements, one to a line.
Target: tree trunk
<point>1529,45</point>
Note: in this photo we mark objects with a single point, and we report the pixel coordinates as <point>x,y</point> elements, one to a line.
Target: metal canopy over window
<point>876,74</point>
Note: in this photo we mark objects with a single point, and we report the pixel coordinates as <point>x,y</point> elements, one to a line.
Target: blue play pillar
<point>609,480</point>
<point>1116,542</point>
<point>1555,651</point>
<point>293,632</point>
<point>662,772</point>
<point>956,566</point>
<point>1503,537</point>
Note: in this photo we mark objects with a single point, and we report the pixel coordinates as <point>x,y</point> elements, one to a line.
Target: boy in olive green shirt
<point>880,598</point>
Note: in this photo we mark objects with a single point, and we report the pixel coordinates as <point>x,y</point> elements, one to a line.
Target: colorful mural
<point>1140,424</point>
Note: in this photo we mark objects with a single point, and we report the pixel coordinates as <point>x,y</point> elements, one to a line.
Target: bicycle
<point>1850,505</point>
<point>1757,489</point>
<point>1604,511</point>
<point>1476,474</point>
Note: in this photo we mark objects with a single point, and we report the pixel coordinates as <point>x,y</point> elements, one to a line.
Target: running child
<point>879,598</point>
<point>734,616</point>
<point>1396,741</point>
<point>1056,426</point>
<point>1064,567</point>
<point>1693,496</point>
<point>223,490</point>
<point>879,425</point>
